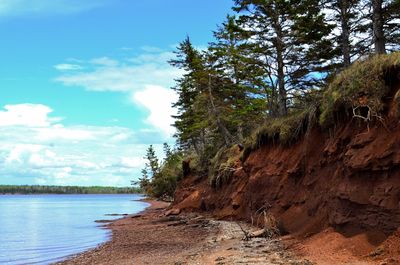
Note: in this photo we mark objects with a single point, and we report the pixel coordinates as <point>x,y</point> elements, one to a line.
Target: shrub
<point>223,165</point>
<point>363,84</point>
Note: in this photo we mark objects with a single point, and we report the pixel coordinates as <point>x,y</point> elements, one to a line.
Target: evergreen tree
<point>348,17</point>
<point>291,37</point>
<point>231,60</point>
<point>384,25</point>
<point>191,118</point>
<point>152,162</point>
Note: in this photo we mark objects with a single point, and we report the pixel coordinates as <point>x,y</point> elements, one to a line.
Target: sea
<point>43,229</point>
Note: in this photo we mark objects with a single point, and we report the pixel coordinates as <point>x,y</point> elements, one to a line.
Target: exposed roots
<point>265,218</point>
<point>365,113</point>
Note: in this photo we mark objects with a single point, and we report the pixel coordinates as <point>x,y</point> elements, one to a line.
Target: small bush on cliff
<point>159,179</point>
<point>362,85</point>
<point>223,165</point>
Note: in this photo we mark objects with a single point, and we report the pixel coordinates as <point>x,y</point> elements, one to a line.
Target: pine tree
<point>152,161</point>
<point>190,120</point>
<point>291,37</point>
<point>231,60</point>
<point>348,18</point>
<point>385,26</point>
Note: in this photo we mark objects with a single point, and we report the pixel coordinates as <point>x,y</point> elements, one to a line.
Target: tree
<point>348,16</point>
<point>152,162</point>
<point>190,121</point>
<point>199,104</point>
<point>230,59</point>
<point>385,26</point>
<point>377,26</point>
<point>291,37</point>
<point>159,179</point>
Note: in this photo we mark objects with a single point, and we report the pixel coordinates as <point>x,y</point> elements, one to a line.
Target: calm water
<point>41,229</point>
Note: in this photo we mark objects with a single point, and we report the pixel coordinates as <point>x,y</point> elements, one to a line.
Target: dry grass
<point>223,165</point>
<point>363,84</point>
<point>285,130</point>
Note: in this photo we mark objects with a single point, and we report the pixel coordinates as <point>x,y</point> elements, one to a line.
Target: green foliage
<point>264,79</point>
<point>284,130</point>
<point>36,189</point>
<point>223,165</point>
<point>164,182</point>
<point>362,84</point>
<point>290,41</point>
<point>159,179</point>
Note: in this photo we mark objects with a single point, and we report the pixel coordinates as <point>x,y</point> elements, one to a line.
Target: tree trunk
<point>345,35</point>
<point>223,130</point>
<point>240,133</point>
<point>377,26</point>
<point>282,95</point>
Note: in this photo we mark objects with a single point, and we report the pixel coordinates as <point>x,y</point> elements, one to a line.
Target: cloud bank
<point>146,79</point>
<point>35,145</point>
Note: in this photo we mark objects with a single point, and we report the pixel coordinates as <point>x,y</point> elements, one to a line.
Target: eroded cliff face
<point>347,178</point>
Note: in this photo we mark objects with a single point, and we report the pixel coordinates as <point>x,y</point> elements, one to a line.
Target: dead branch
<point>246,236</point>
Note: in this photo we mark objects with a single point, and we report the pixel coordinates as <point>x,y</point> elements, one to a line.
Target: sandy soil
<point>153,238</point>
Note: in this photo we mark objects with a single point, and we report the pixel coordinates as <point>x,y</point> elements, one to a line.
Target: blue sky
<point>84,85</point>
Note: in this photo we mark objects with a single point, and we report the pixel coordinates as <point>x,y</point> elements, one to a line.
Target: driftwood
<point>249,235</point>
<point>258,233</point>
<point>269,222</point>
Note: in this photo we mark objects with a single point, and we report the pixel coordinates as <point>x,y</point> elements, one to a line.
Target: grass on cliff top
<point>223,165</point>
<point>364,83</point>
<point>285,130</point>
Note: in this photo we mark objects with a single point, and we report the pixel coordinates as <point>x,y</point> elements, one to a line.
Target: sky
<point>85,85</point>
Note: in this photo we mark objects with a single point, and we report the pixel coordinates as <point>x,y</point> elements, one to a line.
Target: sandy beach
<point>151,237</point>
<point>156,237</point>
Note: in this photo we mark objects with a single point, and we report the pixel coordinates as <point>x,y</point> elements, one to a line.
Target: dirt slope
<point>338,189</point>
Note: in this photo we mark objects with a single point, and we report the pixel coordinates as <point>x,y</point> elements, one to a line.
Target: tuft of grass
<point>363,84</point>
<point>285,130</point>
<point>223,165</point>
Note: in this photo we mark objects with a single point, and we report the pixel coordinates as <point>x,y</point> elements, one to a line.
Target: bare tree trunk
<point>345,35</point>
<point>224,131</point>
<point>377,27</point>
<point>282,95</point>
<point>240,133</point>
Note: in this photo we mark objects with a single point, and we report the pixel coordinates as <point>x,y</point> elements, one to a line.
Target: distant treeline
<point>36,189</point>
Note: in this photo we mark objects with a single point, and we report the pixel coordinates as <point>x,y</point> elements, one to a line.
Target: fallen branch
<point>246,236</point>
<point>258,233</point>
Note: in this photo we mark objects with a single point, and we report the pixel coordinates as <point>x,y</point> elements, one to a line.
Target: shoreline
<point>155,237</point>
<point>108,225</point>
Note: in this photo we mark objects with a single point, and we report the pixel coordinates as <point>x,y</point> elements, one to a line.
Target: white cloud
<point>51,153</point>
<point>59,132</point>
<point>104,61</point>
<point>158,100</point>
<point>133,74</point>
<point>52,7</point>
<point>67,67</point>
<point>27,115</point>
<point>152,49</point>
<point>145,78</point>
<point>132,162</point>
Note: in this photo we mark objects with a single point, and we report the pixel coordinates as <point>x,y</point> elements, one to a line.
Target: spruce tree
<point>291,37</point>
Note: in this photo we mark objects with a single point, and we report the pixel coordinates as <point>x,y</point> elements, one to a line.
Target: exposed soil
<point>336,192</point>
